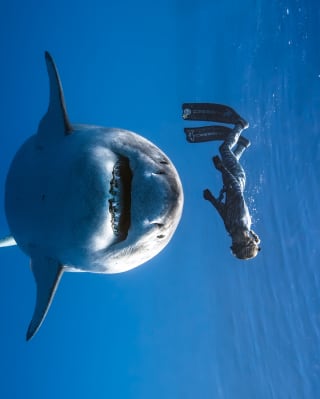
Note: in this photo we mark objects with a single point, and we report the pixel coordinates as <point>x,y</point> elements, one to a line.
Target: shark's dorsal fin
<point>47,273</point>
<point>55,122</point>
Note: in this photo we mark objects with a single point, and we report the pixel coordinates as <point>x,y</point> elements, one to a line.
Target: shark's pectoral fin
<point>47,273</point>
<point>7,241</point>
<point>55,122</point>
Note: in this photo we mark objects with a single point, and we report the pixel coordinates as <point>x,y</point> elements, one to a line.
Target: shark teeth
<point>120,201</point>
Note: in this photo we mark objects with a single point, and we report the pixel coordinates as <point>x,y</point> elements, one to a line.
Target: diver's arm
<point>207,195</point>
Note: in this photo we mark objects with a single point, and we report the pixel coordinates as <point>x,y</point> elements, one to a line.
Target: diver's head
<point>247,247</point>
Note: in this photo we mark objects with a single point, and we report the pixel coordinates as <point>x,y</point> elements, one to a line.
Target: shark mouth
<point>120,201</point>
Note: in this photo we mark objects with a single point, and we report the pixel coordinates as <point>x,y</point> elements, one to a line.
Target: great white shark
<point>83,198</point>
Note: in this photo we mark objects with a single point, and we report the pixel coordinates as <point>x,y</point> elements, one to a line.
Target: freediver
<point>230,204</point>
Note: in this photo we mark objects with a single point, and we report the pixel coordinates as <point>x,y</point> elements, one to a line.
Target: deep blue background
<point>194,322</point>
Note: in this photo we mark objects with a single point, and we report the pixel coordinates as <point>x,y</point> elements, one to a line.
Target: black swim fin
<point>206,133</point>
<point>212,112</point>
<point>211,133</point>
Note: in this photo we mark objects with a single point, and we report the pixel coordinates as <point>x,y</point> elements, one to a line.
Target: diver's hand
<point>207,195</point>
<point>217,163</point>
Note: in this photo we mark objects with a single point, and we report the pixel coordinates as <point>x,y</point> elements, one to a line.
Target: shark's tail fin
<point>8,241</point>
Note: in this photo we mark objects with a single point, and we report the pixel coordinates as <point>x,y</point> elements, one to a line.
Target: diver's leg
<point>241,147</point>
<point>230,159</point>
<point>231,140</point>
<point>229,180</point>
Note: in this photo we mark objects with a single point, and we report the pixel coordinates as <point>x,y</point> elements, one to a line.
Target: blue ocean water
<point>194,322</point>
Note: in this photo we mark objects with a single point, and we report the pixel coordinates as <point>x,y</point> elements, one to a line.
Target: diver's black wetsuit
<point>230,204</point>
<point>233,209</point>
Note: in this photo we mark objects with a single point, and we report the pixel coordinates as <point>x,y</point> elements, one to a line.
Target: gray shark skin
<point>83,198</point>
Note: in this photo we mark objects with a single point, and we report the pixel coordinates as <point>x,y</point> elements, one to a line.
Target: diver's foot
<point>244,142</point>
<point>217,162</point>
<point>243,123</point>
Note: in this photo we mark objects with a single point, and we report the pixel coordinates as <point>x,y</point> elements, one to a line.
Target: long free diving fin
<point>210,112</point>
<point>47,273</point>
<point>206,133</point>
<point>211,133</point>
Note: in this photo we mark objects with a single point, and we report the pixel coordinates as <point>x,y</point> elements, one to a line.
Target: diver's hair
<point>245,253</point>
<point>246,250</point>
